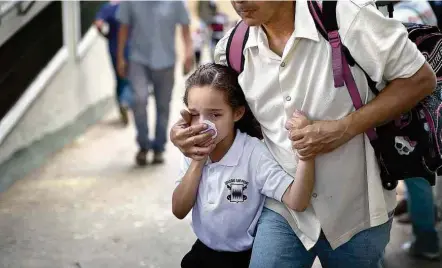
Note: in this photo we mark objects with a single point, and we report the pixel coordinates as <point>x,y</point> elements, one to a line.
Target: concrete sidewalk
<point>90,207</point>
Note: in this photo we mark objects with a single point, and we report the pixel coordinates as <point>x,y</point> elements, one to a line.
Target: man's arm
<point>183,19</point>
<point>384,51</point>
<point>125,19</point>
<point>398,97</point>
<point>123,35</point>
<point>188,48</point>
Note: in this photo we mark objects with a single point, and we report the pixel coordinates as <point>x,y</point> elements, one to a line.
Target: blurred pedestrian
<point>152,59</point>
<point>108,25</point>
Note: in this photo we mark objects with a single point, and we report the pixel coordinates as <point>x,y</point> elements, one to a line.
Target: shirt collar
<point>304,26</point>
<point>233,155</point>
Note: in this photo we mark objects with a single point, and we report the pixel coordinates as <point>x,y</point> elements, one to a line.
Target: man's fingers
<point>208,143</point>
<point>202,138</point>
<point>305,151</point>
<point>201,151</point>
<point>185,133</point>
<point>187,117</point>
<point>296,135</point>
<point>307,157</point>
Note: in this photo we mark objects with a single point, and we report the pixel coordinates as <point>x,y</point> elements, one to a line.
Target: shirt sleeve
<point>220,49</point>
<point>184,166</point>
<point>182,14</point>
<point>380,45</point>
<point>124,12</point>
<point>104,12</point>
<point>271,178</point>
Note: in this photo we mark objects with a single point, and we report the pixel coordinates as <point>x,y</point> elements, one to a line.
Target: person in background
<point>152,59</point>
<point>218,25</point>
<point>198,38</point>
<point>108,26</point>
<point>419,200</point>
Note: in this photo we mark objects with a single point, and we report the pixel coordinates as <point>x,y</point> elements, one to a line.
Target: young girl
<point>227,190</point>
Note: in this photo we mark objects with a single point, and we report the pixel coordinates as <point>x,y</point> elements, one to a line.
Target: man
<point>106,17</point>
<point>152,59</point>
<point>288,66</point>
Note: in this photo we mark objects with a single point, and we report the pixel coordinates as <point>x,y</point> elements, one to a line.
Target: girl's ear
<point>239,113</point>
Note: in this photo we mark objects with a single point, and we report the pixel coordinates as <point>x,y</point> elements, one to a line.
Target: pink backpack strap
<point>235,46</point>
<point>325,20</point>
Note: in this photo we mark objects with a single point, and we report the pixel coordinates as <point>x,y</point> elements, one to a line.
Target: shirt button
<point>288,98</point>
<point>314,195</point>
<point>282,64</point>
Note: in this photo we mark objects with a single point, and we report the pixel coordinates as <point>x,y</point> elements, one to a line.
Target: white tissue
<point>211,126</point>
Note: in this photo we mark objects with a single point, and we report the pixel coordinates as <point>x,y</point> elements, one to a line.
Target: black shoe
<point>141,157</point>
<point>124,115</point>
<point>158,158</point>
<point>413,250</point>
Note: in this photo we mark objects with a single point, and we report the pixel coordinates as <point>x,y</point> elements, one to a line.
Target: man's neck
<point>280,27</point>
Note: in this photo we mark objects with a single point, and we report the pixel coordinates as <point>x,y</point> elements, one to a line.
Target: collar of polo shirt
<point>233,155</point>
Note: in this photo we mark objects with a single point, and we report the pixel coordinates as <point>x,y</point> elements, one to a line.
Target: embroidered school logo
<point>236,188</point>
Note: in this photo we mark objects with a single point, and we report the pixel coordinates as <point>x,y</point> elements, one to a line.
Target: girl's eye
<point>215,115</point>
<point>194,115</point>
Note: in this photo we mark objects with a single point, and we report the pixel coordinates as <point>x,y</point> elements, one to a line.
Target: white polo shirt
<point>232,193</point>
<point>348,196</point>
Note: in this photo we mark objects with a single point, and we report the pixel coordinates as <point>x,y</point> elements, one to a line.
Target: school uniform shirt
<point>348,195</point>
<point>232,192</point>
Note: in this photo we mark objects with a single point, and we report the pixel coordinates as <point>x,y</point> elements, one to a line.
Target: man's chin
<point>251,22</point>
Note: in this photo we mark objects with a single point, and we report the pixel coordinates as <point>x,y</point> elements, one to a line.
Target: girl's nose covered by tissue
<point>210,126</point>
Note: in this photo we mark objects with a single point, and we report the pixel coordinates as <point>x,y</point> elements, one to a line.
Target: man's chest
<point>302,79</point>
<point>150,13</point>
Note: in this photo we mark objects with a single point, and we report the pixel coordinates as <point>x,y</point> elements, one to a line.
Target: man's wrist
<point>350,126</point>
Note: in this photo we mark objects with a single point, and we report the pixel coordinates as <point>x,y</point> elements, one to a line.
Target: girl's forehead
<point>206,98</point>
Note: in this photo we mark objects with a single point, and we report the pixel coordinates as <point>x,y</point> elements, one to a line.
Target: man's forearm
<point>398,97</point>
<point>123,34</point>
<point>187,39</point>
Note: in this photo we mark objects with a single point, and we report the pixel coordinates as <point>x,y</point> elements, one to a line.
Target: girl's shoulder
<point>255,146</point>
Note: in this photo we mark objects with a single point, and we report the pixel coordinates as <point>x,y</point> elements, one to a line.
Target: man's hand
<point>189,141</point>
<point>99,24</point>
<point>317,138</point>
<point>122,67</point>
<point>188,63</point>
<point>188,49</point>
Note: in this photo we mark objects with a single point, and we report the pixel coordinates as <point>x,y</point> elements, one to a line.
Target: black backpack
<point>410,146</point>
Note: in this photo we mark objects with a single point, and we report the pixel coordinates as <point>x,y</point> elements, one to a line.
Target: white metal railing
<point>73,49</point>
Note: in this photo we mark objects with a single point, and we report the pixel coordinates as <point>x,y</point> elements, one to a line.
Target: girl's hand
<point>299,120</point>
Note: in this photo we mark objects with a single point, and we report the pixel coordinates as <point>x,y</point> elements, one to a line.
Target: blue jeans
<point>421,210</point>
<point>277,246</point>
<point>162,80</point>
<point>123,91</point>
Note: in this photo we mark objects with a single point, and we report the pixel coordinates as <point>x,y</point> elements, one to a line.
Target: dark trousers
<point>201,256</point>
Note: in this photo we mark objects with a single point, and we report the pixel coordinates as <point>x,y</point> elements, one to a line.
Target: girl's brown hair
<point>226,80</point>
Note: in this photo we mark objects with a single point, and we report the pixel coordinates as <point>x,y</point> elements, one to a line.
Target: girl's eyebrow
<point>214,110</point>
